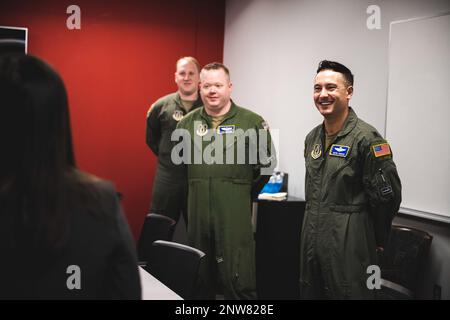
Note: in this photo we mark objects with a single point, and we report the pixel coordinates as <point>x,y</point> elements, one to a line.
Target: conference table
<point>153,289</point>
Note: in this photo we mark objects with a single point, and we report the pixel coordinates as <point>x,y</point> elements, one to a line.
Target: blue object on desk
<point>275,183</point>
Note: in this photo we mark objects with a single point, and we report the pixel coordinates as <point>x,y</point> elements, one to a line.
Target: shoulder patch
<point>380,150</point>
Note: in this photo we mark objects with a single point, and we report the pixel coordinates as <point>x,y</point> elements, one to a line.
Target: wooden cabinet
<point>278,227</point>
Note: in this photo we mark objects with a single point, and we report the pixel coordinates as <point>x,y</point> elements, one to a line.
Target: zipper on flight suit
<point>322,159</point>
<point>318,219</point>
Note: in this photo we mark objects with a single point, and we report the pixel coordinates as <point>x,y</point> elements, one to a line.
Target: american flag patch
<point>382,149</point>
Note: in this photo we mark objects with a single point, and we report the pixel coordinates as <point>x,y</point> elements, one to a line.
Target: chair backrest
<point>156,227</point>
<point>176,265</point>
<point>405,256</point>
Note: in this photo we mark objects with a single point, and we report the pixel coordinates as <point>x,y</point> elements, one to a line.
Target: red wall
<point>121,60</point>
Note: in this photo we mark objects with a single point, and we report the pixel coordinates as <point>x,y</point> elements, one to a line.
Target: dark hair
<point>338,67</point>
<point>217,66</point>
<point>37,157</point>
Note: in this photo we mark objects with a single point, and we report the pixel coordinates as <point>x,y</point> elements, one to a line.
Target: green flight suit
<point>220,198</point>
<point>169,195</point>
<point>352,193</point>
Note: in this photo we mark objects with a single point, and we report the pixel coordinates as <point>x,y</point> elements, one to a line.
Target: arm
<point>267,160</point>
<point>124,280</point>
<point>383,188</point>
<point>181,146</point>
<point>153,132</point>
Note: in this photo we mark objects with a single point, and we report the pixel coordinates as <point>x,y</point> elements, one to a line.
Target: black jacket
<point>97,260</point>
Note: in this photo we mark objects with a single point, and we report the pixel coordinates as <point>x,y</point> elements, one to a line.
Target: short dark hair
<point>338,67</point>
<point>217,66</point>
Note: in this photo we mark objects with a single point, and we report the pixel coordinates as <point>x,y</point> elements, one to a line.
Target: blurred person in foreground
<point>63,234</point>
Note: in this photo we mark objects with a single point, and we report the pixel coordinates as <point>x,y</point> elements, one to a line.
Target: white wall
<point>272,48</point>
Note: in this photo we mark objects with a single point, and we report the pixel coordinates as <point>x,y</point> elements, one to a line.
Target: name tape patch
<point>339,151</point>
<point>225,129</point>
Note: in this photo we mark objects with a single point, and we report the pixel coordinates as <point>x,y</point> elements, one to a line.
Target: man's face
<point>215,89</point>
<point>186,77</point>
<point>331,93</point>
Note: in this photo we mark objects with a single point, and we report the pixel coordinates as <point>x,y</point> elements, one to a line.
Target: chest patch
<point>337,150</point>
<point>225,129</point>
<point>202,129</point>
<point>316,151</point>
<point>177,115</point>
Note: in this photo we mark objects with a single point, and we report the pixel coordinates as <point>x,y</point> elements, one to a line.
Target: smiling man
<point>352,194</point>
<point>221,186</point>
<point>169,195</point>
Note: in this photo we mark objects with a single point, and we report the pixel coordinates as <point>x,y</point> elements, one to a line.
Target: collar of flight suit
<point>230,114</point>
<point>196,104</point>
<point>348,126</point>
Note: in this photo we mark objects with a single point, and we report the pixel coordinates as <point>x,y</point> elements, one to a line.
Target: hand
<point>380,254</point>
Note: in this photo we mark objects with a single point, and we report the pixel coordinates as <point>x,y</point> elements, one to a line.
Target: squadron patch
<point>202,129</point>
<point>339,150</point>
<point>380,150</point>
<point>225,129</point>
<point>177,115</point>
<point>316,151</point>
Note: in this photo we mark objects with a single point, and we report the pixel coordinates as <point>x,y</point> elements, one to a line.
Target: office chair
<point>403,262</point>
<point>176,265</point>
<point>156,227</point>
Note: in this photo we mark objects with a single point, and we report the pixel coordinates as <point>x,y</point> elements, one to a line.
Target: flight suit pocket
<point>241,181</point>
<point>234,138</point>
<point>347,208</point>
<point>235,147</point>
<point>381,186</point>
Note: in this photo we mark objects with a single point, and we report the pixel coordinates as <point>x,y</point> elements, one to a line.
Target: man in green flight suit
<point>352,193</point>
<point>229,156</point>
<point>169,196</point>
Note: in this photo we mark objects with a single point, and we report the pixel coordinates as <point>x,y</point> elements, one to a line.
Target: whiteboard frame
<point>406,210</point>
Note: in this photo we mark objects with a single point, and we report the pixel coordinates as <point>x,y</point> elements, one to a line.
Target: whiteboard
<point>418,113</point>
